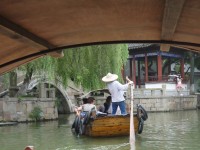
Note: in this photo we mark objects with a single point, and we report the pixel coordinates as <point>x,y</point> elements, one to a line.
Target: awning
<point>33,28</point>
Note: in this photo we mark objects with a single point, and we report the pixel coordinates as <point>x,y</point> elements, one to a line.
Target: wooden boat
<point>110,126</point>
<point>107,125</point>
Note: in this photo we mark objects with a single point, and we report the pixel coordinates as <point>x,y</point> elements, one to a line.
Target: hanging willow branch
<point>84,65</point>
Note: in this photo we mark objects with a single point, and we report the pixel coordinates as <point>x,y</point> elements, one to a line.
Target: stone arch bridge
<point>65,97</point>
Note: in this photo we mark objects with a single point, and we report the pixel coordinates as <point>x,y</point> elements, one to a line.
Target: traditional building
<point>150,67</point>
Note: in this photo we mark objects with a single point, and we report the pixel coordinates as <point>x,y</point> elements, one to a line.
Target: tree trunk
<point>13,89</point>
<point>27,79</point>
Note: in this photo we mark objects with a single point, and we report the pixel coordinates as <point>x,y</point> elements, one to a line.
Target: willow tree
<point>85,66</point>
<point>42,66</point>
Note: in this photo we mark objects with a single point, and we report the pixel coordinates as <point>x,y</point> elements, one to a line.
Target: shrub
<point>36,113</point>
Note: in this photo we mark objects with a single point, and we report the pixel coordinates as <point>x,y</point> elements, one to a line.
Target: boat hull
<point>110,126</point>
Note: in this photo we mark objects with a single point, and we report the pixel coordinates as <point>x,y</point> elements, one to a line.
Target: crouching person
<point>84,113</point>
<point>89,110</point>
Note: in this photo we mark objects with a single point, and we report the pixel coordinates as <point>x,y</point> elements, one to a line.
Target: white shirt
<point>117,90</point>
<point>89,107</point>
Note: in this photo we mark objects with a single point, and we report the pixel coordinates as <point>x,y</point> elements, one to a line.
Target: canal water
<point>162,131</point>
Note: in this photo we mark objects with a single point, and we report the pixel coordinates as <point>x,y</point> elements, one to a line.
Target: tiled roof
<point>135,46</point>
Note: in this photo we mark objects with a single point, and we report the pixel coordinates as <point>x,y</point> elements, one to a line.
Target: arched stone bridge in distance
<point>65,96</point>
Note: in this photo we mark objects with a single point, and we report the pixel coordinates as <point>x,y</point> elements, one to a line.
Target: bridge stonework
<point>69,93</point>
<point>45,97</point>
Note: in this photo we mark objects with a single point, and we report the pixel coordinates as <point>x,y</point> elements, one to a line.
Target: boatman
<point>116,90</point>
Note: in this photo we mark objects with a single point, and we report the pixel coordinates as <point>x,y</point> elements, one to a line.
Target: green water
<point>162,131</point>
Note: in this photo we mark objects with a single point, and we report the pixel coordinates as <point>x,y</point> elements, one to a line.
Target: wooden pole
<point>132,130</point>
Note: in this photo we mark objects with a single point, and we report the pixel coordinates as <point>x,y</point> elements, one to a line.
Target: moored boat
<point>8,123</point>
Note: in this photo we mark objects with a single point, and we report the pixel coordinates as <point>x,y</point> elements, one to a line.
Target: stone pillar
<point>42,91</point>
<point>51,93</point>
<point>13,89</point>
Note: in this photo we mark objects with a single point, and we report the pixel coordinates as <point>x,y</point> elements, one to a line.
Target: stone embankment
<point>13,109</point>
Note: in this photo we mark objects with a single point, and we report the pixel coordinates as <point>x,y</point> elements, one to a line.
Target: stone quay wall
<point>166,103</point>
<point>157,103</point>
<point>14,109</point>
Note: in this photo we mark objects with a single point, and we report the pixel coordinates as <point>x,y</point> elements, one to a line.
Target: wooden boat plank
<point>106,121</point>
<point>115,127</point>
<point>110,126</point>
<point>108,134</point>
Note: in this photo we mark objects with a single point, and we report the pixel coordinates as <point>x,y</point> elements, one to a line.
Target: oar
<point>132,130</point>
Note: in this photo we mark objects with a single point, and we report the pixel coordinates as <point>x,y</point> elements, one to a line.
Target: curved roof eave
<point>30,29</point>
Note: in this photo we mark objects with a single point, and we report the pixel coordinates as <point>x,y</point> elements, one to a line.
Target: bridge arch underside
<point>62,105</point>
<point>62,101</point>
<point>47,27</point>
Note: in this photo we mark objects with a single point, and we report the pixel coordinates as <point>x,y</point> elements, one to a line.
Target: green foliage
<point>6,80</point>
<point>188,55</point>
<point>84,65</point>
<point>87,65</point>
<point>36,113</point>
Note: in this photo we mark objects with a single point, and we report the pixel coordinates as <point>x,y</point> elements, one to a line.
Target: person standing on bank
<point>116,90</point>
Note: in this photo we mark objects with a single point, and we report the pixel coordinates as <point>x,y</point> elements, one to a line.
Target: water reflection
<point>174,130</point>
